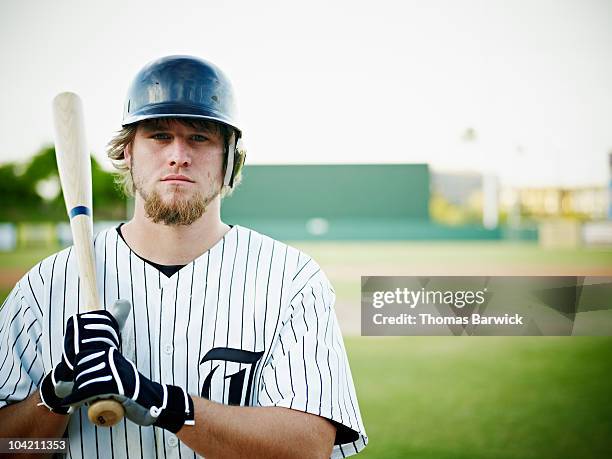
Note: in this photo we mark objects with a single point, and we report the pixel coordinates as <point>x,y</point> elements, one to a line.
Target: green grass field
<point>464,397</point>
<point>483,253</point>
<point>484,397</point>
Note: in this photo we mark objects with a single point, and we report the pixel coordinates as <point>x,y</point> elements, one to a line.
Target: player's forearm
<point>233,431</point>
<point>27,419</point>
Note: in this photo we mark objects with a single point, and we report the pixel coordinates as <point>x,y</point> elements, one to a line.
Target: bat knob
<point>105,413</point>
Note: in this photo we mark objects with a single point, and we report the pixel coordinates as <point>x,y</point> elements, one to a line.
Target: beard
<point>180,210</point>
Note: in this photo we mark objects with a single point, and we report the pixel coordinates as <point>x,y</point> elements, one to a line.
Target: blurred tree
<point>17,193</point>
<point>447,213</point>
<point>469,135</point>
<point>108,200</point>
<point>41,166</point>
<point>32,191</point>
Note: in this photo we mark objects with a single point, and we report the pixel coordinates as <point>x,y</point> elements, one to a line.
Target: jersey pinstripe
<point>250,322</point>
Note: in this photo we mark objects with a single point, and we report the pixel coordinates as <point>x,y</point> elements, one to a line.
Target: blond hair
<point>125,136</point>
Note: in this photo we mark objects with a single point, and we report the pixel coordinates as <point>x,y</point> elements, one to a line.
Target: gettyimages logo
<point>412,298</point>
<point>486,306</point>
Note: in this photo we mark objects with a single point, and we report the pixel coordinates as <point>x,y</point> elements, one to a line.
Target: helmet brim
<point>174,110</point>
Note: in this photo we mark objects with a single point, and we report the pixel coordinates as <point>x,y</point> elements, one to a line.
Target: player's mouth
<point>177,178</point>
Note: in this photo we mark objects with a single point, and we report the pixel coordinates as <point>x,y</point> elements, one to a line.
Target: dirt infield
<point>10,276</point>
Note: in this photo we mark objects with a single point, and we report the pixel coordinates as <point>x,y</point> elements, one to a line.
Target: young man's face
<point>177,170</point>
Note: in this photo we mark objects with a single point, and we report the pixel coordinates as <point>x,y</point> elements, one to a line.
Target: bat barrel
<point>74,166</point>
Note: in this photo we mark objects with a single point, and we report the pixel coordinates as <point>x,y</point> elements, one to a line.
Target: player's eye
<point>160,136</point>
<point>199,137</point>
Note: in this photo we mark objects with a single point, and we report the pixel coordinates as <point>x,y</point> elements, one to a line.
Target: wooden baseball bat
<point>74,166</point>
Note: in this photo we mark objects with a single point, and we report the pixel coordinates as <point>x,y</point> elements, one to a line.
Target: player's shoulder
<point>301,267</point>
<point>259,239</point>
<point>33,285</point>
<point>37,282</point>
<point>42,270</point>
<point>52,265</point>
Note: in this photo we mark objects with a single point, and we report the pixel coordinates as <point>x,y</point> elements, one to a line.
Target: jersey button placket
<point>168,314</point>
<point>172,441</point>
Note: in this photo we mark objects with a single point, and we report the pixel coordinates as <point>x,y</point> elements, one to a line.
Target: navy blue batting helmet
<point>185,87</point>
<point>181,86</point>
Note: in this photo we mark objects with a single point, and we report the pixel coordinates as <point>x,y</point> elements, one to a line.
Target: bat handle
<point>105,413</point>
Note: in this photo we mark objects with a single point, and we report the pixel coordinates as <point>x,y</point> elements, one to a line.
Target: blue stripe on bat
<point>80,210</point>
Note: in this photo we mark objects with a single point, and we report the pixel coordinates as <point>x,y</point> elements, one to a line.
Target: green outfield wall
<point>344,202</point>
<point>331,191</point>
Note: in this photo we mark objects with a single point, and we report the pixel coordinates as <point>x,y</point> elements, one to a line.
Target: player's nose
<point>179,153</point>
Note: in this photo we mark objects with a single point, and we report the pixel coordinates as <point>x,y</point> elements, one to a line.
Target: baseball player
<point>218,341</point>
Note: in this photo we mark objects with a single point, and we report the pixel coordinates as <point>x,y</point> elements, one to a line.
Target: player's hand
<point>84,332</point>
<point>56,385</point>
<point>108,374</point>
<point>94,330</point>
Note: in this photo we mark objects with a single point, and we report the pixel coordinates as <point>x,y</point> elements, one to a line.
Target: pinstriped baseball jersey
<point>249,322</point>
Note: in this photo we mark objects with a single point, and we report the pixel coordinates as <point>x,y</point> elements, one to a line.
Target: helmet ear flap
<point>239,158</point>
<point>235,160</point>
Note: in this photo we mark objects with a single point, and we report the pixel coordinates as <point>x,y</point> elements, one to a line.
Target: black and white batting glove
<point>108,374</point>
<point>94,330</point>
<point>56,385</point>
<point>88,331</point>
